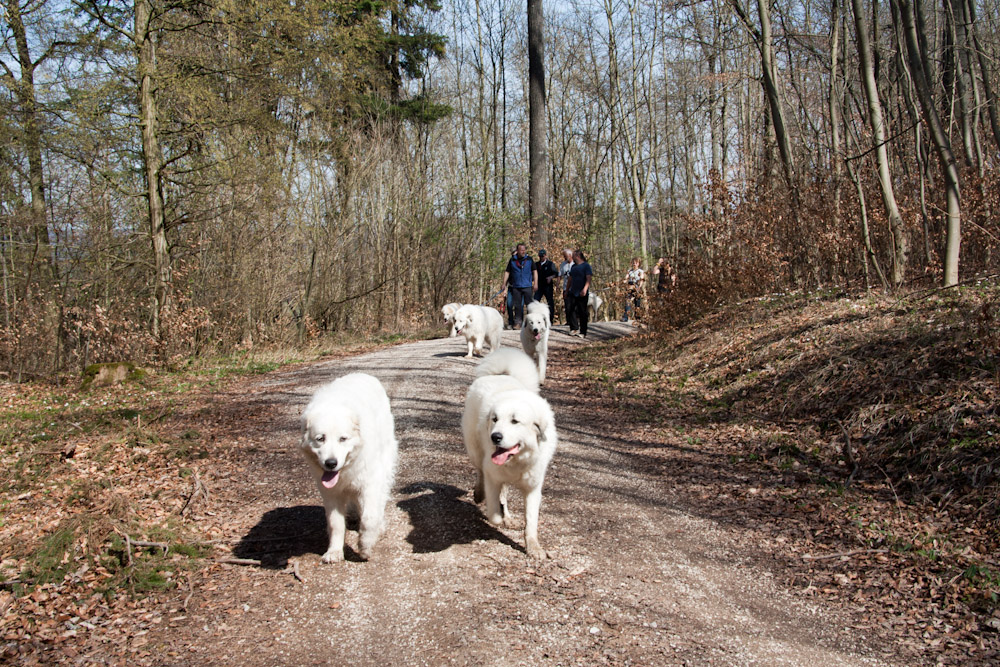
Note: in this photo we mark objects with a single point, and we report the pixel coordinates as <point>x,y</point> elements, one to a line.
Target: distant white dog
<point>349,440</point>
<point>510,435</point>
<point>449,310</point>
<point>535,336</point>
<point>594,302</point>
<point>479,324</point>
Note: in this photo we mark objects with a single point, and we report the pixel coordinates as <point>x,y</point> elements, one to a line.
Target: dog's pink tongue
<point>500,456</point>
<point>330,479</point>
<point>538,336</point>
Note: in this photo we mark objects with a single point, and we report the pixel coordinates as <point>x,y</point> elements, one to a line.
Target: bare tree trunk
<point>771,89</point>
<point>877,121</point>
<point>834,110</point>
<point>956,64</point>
<point>765,46</point>
<point>908,13</point>
<point>536,122</point>
<point>28,103</point>
<point>984,72</point>
<point>152,159</point>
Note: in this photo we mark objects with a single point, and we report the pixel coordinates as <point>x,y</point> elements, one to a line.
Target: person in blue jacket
<point>521,276</point>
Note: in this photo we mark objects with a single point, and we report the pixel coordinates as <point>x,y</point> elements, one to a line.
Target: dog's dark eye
<point>343,438</point>
<point>513,421</point>
<point>321,438</point>
<point>494,419</point>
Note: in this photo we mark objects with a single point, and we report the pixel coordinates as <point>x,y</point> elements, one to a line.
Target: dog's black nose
<point>330,464</point>
<point>496,437</point>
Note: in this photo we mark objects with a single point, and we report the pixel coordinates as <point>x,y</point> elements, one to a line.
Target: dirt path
<point>633,577</point>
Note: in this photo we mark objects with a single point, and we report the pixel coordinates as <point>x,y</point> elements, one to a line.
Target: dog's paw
<point>535,550</point>
<point>333,556</point>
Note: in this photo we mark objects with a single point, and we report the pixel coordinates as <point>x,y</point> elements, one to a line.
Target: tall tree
<point>877,121</point>
<point>769,80</point>
<point>909,14</point>
<point>143,38</point>
<point>23,87</point>
<point>537,200</point>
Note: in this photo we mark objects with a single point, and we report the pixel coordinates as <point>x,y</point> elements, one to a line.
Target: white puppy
<point>349,440</point>
<point>479,324</point>
<point>535,335</point>
<point>449,310</point>
<point>594,302</point>
<point>510,435</point>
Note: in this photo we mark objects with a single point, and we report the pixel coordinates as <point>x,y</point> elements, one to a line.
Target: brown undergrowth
<point>106,502</point>
<point>853,441</point>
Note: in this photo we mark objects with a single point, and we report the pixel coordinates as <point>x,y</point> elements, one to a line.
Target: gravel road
<point>633,577</point>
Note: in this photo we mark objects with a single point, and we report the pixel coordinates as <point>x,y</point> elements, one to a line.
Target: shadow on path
<point>289,532</point>
<point>439,519</point>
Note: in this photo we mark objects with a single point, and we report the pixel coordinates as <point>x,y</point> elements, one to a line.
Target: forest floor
<point>694,514</point>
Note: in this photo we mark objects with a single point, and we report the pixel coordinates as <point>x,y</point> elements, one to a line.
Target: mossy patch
<point>104,375</point>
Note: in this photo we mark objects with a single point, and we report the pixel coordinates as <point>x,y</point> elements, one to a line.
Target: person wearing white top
<point>635,284</point>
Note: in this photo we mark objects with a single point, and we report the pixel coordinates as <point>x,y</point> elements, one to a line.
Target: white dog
<point>479,324</point>
<point>594,302</point>
<point>449,310</point>
<point>535,335</point>
<point>510,435</point>
<point>349,440</point>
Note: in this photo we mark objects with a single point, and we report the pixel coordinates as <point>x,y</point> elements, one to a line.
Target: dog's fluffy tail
<point>512,362</point>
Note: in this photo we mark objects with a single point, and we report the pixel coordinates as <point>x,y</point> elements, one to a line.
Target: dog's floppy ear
<point>543,424</point>
<point>304,427</point>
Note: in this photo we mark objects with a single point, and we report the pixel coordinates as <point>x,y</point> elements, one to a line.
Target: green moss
<point>96,375</point>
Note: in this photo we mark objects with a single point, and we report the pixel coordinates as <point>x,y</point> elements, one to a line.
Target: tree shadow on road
<point>441,519</point>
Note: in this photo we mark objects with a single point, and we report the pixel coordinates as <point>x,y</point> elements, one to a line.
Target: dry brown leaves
<point>739,414</point>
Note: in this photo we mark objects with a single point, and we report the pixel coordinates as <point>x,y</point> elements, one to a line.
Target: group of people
<point>525,279</point>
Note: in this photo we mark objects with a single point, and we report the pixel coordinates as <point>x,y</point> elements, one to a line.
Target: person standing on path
<point>547,273</point>
<point>564,268</point>
<point>508,298</point>
<point>666,279</point>
<point>521,276</point>
<point>635,287</point>
<point>580,275</point>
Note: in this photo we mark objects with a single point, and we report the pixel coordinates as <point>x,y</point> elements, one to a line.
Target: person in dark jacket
<point>548,272</point>
<point>580,276</point>
<point>521,275</point>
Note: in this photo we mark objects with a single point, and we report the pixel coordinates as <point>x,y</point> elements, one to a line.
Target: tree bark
<point>908,13</point>
<point>536,122</point>
<point>771,90</point>
<point>984,73</point>
<point>152,160</point>
<point>28,103</point>
<point>834,111</point>
<point>877,121</point>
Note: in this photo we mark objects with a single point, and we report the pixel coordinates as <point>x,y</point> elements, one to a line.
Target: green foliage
<point>50,562</point>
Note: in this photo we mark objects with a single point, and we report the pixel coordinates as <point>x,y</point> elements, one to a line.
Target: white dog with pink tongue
<point>349,440</point>
<point>510,435</point>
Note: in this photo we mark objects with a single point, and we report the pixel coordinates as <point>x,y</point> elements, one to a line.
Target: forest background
<point>184,177</point>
